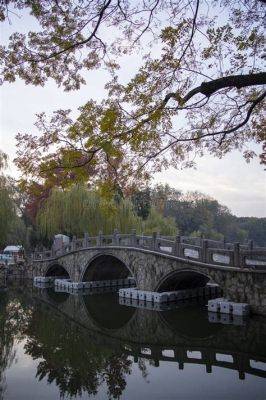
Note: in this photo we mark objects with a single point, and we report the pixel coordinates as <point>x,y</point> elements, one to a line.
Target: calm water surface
<point>64,346</point>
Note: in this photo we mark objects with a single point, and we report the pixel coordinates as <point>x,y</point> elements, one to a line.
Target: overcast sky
<point>233,182</point>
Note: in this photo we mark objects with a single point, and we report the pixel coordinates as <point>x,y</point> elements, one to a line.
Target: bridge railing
<point>198,249</point>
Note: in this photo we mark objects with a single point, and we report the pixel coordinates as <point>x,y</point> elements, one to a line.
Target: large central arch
<point>182,279</point>
<point>105,267</point>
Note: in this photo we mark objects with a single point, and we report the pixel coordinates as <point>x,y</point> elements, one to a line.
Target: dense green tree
<point>156,222</point>
<point>7,205</point>
<point>255,227</point>
<point>200,88</point>
<point>7,213</point>
<point>163,196</point>
<point>142,202</point>
<point>5,208</point>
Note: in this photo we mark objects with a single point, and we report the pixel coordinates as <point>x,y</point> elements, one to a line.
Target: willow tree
<point>79,210</point>
<point>7,206</point>
<point>200,88</point>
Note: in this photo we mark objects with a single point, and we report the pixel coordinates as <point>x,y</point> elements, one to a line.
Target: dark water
<point>63,346</point>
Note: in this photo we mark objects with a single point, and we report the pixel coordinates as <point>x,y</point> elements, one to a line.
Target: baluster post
<point>154,237</point>
<point>236,255</point>
<point>176,250</point>
<point>100,238</point>
<point>73,243</point>
<point>205,250</point>
<point>142,240</point>
<point>133,240</point>
<point>63,248</point>
<point>85,239</point>
<point>115,237</point>
<point>250,244</point>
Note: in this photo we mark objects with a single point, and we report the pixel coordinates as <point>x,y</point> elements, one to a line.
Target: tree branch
<point>78,44</point>
<point>192,32</point>
<point>209,88</point>
<point>209,134</point>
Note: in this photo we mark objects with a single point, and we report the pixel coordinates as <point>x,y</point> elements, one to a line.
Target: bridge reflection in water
<point>183,336</point>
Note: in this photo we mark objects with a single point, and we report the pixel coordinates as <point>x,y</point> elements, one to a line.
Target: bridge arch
<point>56,269</point>
<point>98,268</point>
<point>182,279</point>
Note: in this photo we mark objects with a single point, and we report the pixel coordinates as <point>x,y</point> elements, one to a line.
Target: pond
<point>56,345</point>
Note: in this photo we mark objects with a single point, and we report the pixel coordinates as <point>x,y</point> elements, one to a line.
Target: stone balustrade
<point>198,249</point>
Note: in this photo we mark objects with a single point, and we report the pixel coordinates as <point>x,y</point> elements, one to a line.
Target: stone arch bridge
<point>162,264</point>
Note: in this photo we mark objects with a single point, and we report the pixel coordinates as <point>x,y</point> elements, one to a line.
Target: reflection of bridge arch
<point>102,312</point>
<point>106,312</point>
<point>57,297</point>
<point>182,279</point>
<point>106,267</point>
<point>186,329</point>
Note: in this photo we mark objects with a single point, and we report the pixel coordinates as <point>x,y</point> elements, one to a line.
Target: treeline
<point>197,214</point>
<point>33,217</point>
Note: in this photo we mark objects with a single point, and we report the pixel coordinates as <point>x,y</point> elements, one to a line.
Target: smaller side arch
<point>98,268</point>
<point>56,269</point>
<point>182,279</point>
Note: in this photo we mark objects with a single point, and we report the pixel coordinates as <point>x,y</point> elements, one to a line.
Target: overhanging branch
<point>209,88</point>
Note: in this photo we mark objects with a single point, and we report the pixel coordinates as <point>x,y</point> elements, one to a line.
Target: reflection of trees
<point>5,344</point>
<point>115,374</point>
<point>79,361</point>
<point>143,368</point>
<point>72,358</point>
<point>13,321</point>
